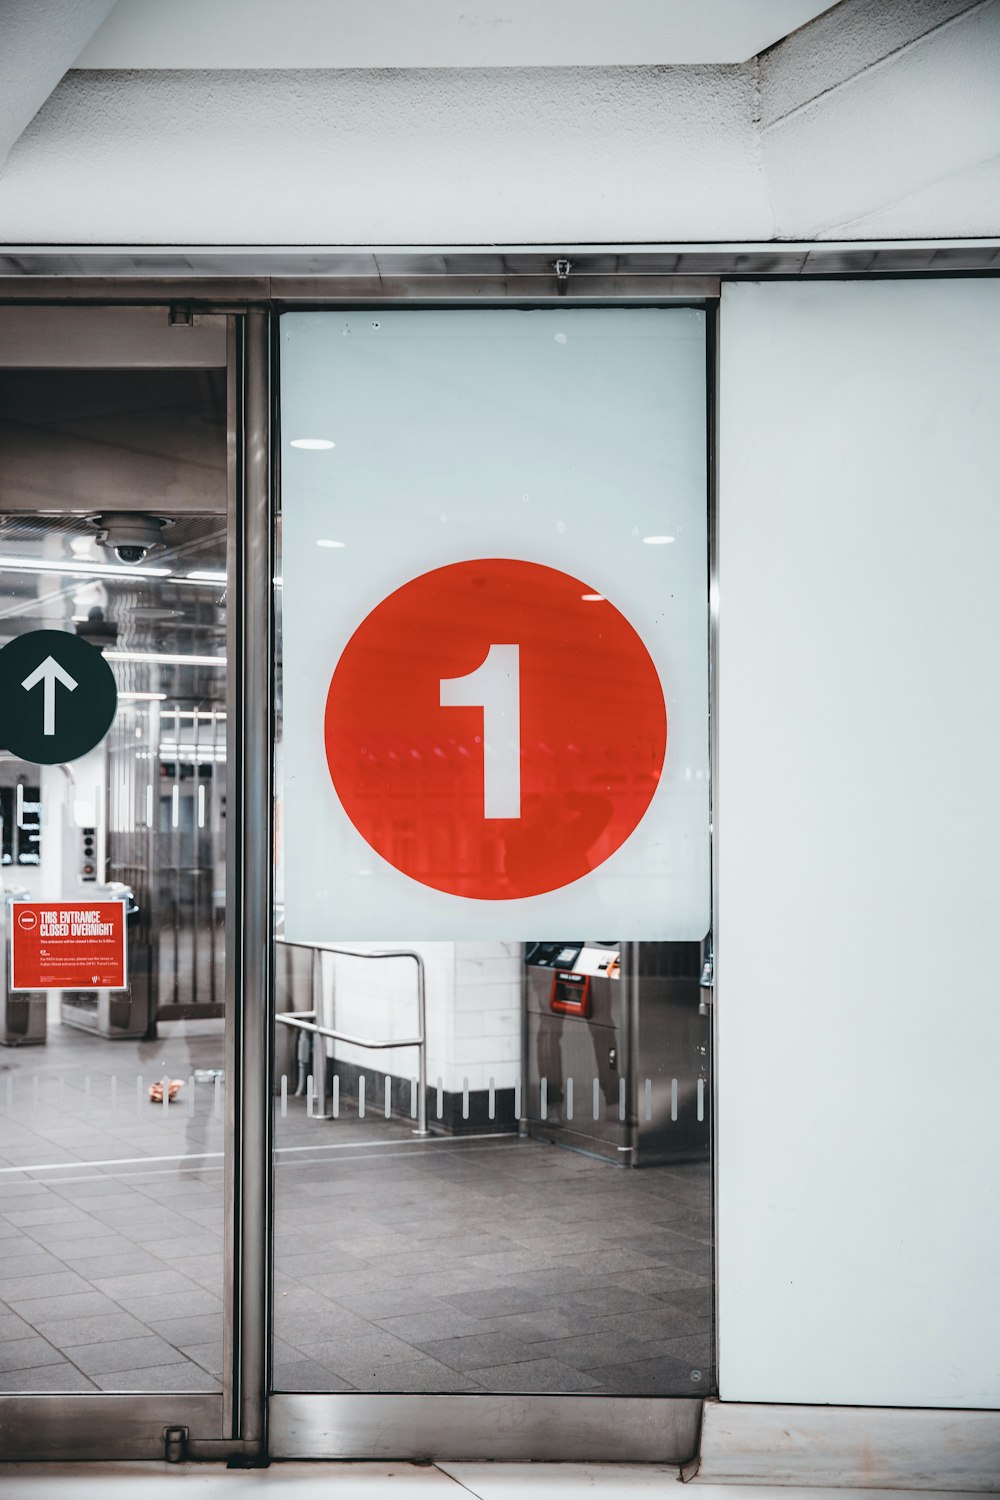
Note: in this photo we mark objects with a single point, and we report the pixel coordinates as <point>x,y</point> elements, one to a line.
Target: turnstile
<point>23,1013</point>
<point>616,1041</point>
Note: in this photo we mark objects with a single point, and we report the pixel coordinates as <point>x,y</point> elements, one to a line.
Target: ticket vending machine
<point>616,1049</point>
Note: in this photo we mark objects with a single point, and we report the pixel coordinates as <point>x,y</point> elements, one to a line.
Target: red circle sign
<point>27,921</point>
<point>495,729</point>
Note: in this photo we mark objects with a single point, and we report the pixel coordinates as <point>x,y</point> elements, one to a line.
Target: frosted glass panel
<point>859,821</point>
<point>495,596</point>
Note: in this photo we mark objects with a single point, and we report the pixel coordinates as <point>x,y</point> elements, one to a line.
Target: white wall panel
<point>859,824</point>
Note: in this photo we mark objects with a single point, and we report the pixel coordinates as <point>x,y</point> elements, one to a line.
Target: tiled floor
<point>396,1481</point>
<point>111,1267</point>
<point>498,1265</point>
<point>484,1264</point>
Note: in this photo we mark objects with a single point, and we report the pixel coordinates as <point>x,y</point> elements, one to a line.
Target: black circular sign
<point>57,697</point>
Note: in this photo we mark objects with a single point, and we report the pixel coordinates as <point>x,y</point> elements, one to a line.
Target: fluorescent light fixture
<point>593,598</point>
<point>205,577</point>
<point>171,750</point>
<point>78,568</point>
<point>316,445</point>
<point>168,658</point>
<point>657,541</point>
<point>144,697</point>
<point>326,541</point>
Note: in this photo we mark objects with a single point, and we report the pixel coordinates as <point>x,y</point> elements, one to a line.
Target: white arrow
<point>48,671</point>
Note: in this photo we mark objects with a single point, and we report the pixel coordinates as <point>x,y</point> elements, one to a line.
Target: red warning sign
<point>68,945</point>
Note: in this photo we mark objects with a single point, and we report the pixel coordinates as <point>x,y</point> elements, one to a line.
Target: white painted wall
<point>473,1012</point>
<point>859,819</point>
<point>436,33</point>
<point>879,119</point>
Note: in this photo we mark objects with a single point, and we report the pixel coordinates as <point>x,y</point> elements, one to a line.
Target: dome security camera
<point>131,534</point>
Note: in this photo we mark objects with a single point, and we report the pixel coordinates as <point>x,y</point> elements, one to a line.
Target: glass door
<point>493,1203</point>
<point>115,1065</point>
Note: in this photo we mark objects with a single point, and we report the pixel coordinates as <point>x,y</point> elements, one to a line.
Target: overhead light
<point>315,444</point>
<point>170,750</point>
<point>144,697</point>
<point>593,598</point>
<point>657,541</point>
<point>78,568</point>
<point>195,713</point>
<point>168,658</point>
<point>206,577</point>
<point>325,541</point>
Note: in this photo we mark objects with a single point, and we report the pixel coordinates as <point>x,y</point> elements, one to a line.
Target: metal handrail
<point>301,1022</point>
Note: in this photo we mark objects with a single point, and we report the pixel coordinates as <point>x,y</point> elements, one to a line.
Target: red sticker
<point>495,729</point>
<point>68,945</point>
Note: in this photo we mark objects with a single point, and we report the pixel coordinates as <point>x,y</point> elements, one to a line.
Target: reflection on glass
<point>112,1100</point>
<point>553,1230</point>
<point>474,704</point>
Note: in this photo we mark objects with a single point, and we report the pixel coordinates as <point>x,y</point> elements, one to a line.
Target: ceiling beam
<point>39,40</point>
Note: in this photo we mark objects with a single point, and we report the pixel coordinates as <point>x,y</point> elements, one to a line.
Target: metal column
<point>248,970</point>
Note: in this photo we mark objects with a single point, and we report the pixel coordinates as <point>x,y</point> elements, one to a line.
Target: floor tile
<point>26,1353</point>
<point>499,1301</point>
<point>421,1375</point>
<point>66,1333</point>
<point>306,1375</point>
<point>356,1358</point>
<point>536,1375</point>
<point>146,1352</point>
<point>53,1284</point>
<point>152,1309</point>
<point>201,1328</point>
<point>168,1377</point>
<point>75,1305</point>
<point>55,1377</point>
<point>100,1267</point>
<point>651,1377</point>
<point>481,1351</point>
<point>435,1323</point>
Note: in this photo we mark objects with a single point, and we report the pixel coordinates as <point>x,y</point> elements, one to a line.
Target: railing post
<point>421,1129</point>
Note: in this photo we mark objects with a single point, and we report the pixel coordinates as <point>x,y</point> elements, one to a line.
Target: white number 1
<point>495,687</point>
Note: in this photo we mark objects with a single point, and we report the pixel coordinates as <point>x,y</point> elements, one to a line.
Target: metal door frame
<point>244,1423</point>
<point>230,1423</point>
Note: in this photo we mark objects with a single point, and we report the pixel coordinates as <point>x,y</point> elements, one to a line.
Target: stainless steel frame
<point>201,274</point>
<point>250,285</point>
<point>306,1020</point>
<point>597,1429</point>
<point>236,1424</point>
<point>249,967</point>
<point>231,1424</point>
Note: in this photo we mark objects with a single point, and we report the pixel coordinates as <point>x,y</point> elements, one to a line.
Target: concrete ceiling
<point>220,34</point>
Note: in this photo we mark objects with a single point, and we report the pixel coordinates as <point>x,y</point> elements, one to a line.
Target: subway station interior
<point>498,704</point>
<point>542,1224</point>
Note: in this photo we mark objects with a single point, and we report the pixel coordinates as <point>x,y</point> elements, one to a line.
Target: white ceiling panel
<point>272,34</point>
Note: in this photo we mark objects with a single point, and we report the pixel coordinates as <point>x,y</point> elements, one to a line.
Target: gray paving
<point>458,1265</point>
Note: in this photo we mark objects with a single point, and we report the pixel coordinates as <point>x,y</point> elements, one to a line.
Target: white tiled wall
<point>473,1011</point>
